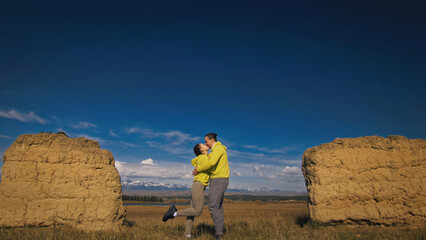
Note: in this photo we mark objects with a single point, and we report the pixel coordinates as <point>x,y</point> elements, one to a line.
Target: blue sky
<point>149,80</point>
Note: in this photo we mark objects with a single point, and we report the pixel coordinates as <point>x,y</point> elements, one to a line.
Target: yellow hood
<point>219,143</point>
<point>195,161</point>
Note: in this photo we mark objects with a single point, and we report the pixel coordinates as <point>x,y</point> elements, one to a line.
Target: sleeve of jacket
<point>202,160</point>
<point>213,159</point>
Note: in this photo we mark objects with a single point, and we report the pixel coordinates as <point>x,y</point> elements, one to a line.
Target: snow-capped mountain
<point>139,185</point>
<point>262,189</point>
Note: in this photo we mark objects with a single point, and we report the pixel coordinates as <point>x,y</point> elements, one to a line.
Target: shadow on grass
<point>205,228</point>
<point>303,220</point>
<point>128,223</point>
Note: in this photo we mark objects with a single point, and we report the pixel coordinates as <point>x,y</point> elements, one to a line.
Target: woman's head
<point>200,149</point>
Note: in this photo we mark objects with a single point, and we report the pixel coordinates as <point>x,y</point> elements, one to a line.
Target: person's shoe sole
<point>169,213</point>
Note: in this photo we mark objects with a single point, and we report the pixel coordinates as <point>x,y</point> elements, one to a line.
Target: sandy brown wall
<point>49,178</point>
<point>371,180</point>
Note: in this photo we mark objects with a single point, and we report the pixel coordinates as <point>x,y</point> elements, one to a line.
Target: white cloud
<point>126,144</point>
<point>261,157</point>
<point>23,117</point>
<point>287,170</point>
<point>283,177</point>
<point>280,176</point>
<point>105,141</point>
<point>173,137</point>
<point>297,161</point>
<point>175,142</point>
<point>281,173</point>
<point>177,137</point>
<point>245,155</point>
<point>258,168</point>
<point>148,161</point>
<point>60,130</point>
<point>262,149</point>
<point>4,136</point>
<point>159,170</point>
<point>112,133</point>
<point>99,140</point>
<point>146,132</point>
<point>167,147</point>
<point>82,125</point>
<point>57,120</point>
<point>286,173</point>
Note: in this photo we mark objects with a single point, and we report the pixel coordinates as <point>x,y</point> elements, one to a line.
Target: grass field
<point>243,220</point>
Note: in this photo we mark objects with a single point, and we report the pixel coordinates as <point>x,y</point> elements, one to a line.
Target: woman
<point>197,192</point>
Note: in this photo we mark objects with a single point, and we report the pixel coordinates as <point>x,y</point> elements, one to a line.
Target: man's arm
<point>213,159</point>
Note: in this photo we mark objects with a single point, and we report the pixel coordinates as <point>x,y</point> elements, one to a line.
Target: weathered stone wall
<point>372,180</point>
<point>52,179</point>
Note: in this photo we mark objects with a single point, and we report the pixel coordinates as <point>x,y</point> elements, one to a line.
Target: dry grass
<point>243,220</point>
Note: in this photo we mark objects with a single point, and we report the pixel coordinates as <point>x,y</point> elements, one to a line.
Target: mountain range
<point>129,185</point>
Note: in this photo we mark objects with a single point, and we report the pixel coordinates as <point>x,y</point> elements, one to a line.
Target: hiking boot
<point>169,213</point>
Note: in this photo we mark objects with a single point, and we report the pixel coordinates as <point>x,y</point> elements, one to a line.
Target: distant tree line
<point>266,198</point>
<point>142,198</point>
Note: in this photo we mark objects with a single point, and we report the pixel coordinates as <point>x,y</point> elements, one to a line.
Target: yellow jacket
<point>217,163</point>
<point>199,161</point>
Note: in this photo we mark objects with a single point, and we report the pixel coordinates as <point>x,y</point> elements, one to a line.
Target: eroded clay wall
<point>372,180</point>
<point>49,178</point>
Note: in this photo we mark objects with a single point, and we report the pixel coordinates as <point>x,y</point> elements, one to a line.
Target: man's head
<point>210,139</point>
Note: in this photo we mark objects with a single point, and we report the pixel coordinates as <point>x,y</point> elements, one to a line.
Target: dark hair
<point>197,149</point>
<point>211,135</point>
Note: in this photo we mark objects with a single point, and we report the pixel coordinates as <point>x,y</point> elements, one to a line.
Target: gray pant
<point>197,205</point>
<point>217,190</point>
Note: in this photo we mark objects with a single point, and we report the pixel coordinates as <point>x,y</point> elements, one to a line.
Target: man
<point>219,179</point>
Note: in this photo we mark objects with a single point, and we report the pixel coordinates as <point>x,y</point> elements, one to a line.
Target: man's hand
<point>195,172</point>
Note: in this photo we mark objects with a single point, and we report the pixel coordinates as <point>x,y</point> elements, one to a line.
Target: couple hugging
<point>213,167</point>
